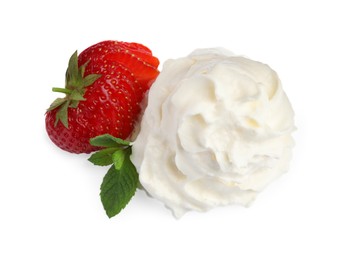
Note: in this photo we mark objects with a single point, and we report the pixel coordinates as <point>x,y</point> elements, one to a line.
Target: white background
<point>49,202</point>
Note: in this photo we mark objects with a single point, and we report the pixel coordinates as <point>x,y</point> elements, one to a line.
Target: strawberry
<point>104,87</point>
<point>133,55</point>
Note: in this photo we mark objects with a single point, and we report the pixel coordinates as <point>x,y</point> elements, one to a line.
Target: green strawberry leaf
<point>76,95</point>
<point>89,79</point>
<point>119,186</point>
<point>62,115</point>
<point>82,69</point>
<point>73,70</point>
<point>75,88</point>
<point>103,157</point>
<point>107,140</point>
<point>58,102</point>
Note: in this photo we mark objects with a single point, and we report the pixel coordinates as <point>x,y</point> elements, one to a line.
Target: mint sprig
<point>121,181</point>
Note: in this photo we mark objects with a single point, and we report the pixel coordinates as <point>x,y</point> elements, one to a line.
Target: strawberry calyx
<point>75,86</point>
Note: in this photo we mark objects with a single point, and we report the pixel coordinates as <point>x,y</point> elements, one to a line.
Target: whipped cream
<point>216,131</point>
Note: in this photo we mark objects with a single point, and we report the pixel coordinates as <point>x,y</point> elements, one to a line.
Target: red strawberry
<point>138,57</point>
<point>104,86</point>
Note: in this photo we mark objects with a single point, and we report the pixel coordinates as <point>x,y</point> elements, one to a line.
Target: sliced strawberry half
<point>140,51</point>
<point>136,57</point>
<point>142,71</point>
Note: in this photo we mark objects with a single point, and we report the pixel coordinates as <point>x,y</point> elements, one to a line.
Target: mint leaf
<point>103,157</point>
<point>121,181</point>
<point>119,186</point>
<point>118,158</point>
<point>107,140</point>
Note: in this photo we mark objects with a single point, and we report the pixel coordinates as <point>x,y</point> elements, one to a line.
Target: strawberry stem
<point>62,90</point>
<point>75,86</point>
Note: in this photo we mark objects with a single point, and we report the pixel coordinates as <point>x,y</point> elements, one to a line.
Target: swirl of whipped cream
<point>216,130</point>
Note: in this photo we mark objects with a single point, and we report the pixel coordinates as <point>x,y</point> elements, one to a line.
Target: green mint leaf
<point>119,186</point>
<point>118,158</point>
<point>107,140</point>
<point>103,157</point>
